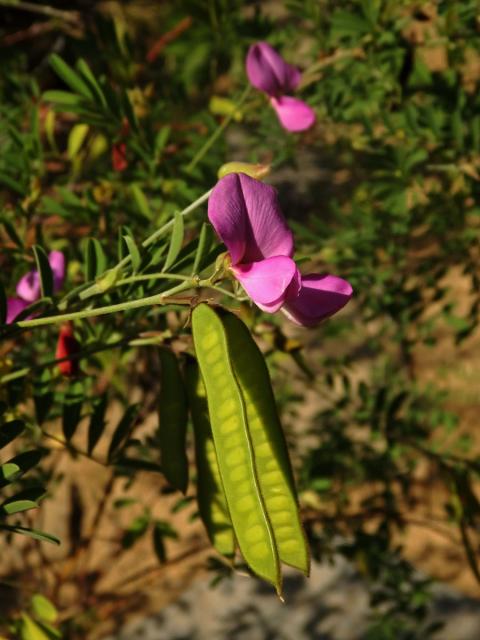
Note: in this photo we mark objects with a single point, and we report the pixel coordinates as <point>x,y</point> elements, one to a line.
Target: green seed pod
<point>212,503</point>
<point>173,414</point>
<point>272,462</point>
<point>234,448</point>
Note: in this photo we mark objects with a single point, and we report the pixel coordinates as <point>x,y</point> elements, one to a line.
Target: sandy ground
<point>332,604</point>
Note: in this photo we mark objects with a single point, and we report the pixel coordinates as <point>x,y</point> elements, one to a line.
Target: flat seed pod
<point>173,414</point>
<point>212,503</point>
<point>272,462</point>
<point>234,447</point>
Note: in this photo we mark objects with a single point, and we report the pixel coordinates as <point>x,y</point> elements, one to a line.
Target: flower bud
<point>67,345</point>
<point>119,157</point>
<point>257,171</point>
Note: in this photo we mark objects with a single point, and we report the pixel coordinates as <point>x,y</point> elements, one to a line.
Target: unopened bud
<point>67,345</point>
<point>257,171</point>
<point>104,282</point>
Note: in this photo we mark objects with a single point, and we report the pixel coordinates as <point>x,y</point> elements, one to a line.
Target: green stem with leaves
<point>95,289</point>
<point>159,298</point>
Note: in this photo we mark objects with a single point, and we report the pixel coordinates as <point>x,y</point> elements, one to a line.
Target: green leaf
<point>22,501</point>
<point>123,249</point>
<point>31,533</point>
<point>24,461</point>
<point>33,308</point>
<point>128,109</point>
<point>158,543</point>
<point>43,608</point>
<point>348,25</point>
<point>97,422</point>
<point>9,431</point>
<point>141,201</point>
<point>12,184</point>
<point>76,138</point>
<point>70,77</point>
<point>161,140</point>
<point>123,429</point>
<point>44,270</point>
<point>133,252</point>
<point>176,241</point>
<point>135,531</point>
<point>31,630</point>
<point>90,79</point>
<point>204,244</point>
<point>95,259</point>
<point>63,98</point>
<point>8,472</point>
<point>12,232</point>
<point>173,416</point>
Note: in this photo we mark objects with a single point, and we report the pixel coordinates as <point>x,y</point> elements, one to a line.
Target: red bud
<point>67,345</point>
<point>119,156</point>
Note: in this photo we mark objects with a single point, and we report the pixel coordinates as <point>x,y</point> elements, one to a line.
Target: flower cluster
<point>246,215</point>
<point>268,72</point>
<point>28,287</point>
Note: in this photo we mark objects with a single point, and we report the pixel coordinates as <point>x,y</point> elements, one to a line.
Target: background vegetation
<point>379,411</point>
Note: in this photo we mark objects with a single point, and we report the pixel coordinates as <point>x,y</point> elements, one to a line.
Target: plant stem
<point>159,298</point>
<point>152,276</point>
<point>218,131</point>
<point>72,447</point>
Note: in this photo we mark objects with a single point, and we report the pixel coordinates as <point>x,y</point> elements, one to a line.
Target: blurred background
<point>380,404</point>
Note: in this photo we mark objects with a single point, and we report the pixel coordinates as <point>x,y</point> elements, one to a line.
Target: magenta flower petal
<point>14,307</point>
<point>267,281</point>
<point>57,265</point>
<point>268,71</point>
<point>320,297</point>
<point>226,212</point>
<point>28,287</point>
<point>246,215</point>
<point>294,114</point>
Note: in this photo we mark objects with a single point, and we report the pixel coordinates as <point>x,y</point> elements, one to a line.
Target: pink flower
<point>28,287</point>
<point>246,216</point>
<point>268,72</point>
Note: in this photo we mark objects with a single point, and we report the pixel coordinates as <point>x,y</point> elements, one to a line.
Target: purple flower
<point>268,72</point>
<point>28,287</point>
<point>319,296</point>
<point>246,216</point>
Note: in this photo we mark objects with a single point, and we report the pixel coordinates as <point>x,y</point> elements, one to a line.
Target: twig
<point>73,448</point>
<point>151,572</point>
<point>42,9</point>
<point>168,37</point>
<point>34,30</point>
<point>218,131</point>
